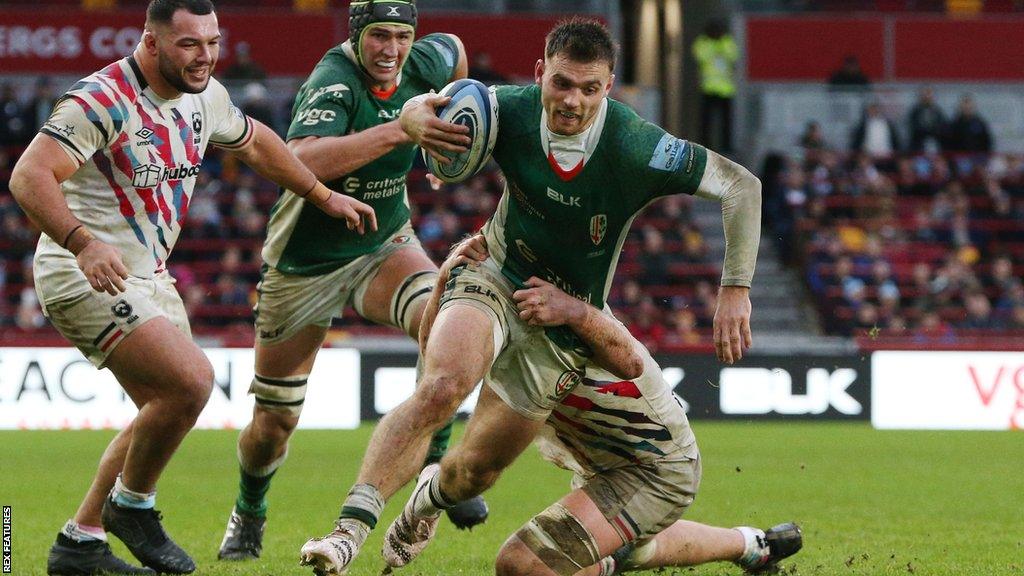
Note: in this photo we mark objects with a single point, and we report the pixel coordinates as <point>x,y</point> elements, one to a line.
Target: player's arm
<point>35,185</point>
<point>544,304</point>
<point>267,154</point>
<point>331,157</point>
<point>739,191</point>
<point>461,69</point>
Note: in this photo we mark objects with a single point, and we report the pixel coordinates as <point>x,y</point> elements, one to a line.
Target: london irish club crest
<point>598,226</point>
<point>566,382</point>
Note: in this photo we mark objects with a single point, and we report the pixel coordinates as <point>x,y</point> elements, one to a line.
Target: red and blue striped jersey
<point>138,155</point>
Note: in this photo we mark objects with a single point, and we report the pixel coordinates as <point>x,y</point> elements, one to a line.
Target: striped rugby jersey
<point>138,156</point>
<point>606,422</point>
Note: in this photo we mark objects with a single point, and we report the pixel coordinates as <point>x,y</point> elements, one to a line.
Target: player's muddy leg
<point>397,295</point>
<point>569,537</point>
<point>458,354</point>
<point>279,385</point>
<point>495,436</point>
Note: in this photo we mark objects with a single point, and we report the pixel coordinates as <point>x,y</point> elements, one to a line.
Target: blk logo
<point>760,391</point>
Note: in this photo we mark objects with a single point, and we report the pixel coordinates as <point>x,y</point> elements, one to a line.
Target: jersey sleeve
<point>231,128</point>
<point>435,57</point>
<point>664,164</point>
<point>323,106</point>
<point>81,125</point>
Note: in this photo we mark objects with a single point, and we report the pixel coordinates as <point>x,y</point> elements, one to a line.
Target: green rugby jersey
<point>568,226</point>
<point>336,100</point>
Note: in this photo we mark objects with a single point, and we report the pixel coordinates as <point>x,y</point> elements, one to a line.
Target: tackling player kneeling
<point>636,464</point>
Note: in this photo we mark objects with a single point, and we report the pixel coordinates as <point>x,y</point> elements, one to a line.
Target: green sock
<point>439,444</point>
<point>252,493</point>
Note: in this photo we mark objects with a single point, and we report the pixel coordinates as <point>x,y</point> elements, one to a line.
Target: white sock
<point>755,547</point>
<point>429,501</point>
<point>128,498</point>
<point>83,533</point>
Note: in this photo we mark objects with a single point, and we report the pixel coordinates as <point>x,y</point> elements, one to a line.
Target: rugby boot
<point>468,513</point>
<point>93,558</point>
<point>409,534</point>
<point>332,554</point>
<point>618,562</point>
<point>142,533</point>
<point>767,547</point>
<point>243,539</point>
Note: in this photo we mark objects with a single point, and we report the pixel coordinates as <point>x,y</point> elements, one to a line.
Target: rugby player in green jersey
<point>578,168</point>
<point>632,453</point>
<point>345,129</point>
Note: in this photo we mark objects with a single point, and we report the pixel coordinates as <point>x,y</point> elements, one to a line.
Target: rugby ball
<point>475,106</point>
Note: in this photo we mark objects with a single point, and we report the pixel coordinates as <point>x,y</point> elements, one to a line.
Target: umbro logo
<point>393,11</point>
<point>146,136</point>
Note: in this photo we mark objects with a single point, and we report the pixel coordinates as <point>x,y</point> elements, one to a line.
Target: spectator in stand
<point>694,250</point>
<point>716,54</point>
<point>849,76</point>
<point>480,69</point>
<point>28,316</point>
<point>655,262</point>
<point>705,302</point>
<point>932,329</point>
<point>922,226</point>
<point>205,219</point>
<point>1011,297</point>
<point>41,105</point>
<point>684,329</point>
<point>646,325</point>
<point>6,317</point>
<point>888,303</point>
<point>969,132</point>
<point>979,313</point>
<point>244,67</point>
<point>230,291</point>
<point>813,143</point>
<point>1016,321</point>
<point>866,321</point>
<point>256,104</point>
<point>927,123</point>
<point>875,135</point>
<point>14,130</point>
<point>1001,273</point>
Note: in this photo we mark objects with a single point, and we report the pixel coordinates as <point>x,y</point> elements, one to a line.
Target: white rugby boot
<point>409,534</point>
<point>332,554</point>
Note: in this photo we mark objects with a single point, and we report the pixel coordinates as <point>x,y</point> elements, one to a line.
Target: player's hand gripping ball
<point>475,106</point>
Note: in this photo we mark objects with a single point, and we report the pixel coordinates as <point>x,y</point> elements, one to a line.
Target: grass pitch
<point>870,502</point>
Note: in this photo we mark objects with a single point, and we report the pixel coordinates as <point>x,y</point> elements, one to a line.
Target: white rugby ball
<point>476,106</point>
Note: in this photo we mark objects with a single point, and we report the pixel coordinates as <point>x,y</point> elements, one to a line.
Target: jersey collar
<point>568,154</point>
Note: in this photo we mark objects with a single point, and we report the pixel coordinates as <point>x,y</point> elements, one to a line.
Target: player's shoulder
<point>620,116</point>
<point>441,43</point>
<point>519,110</point>
<point>336,76</point>
<point>518,101</point>
<point>109,95</point>
<point>215,92</point>
<point>335,66</point>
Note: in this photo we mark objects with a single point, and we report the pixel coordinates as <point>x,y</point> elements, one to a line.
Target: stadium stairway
<point>781,322</point>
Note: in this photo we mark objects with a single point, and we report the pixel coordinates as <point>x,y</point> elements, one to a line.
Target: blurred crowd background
<point>893,211</point>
